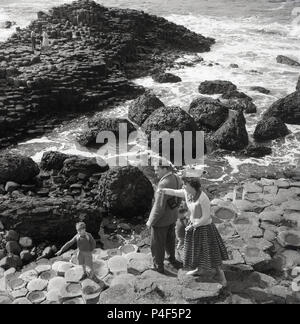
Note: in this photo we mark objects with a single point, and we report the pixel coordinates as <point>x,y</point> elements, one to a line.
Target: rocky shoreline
<point>95,52</point>
<point>261,232</point>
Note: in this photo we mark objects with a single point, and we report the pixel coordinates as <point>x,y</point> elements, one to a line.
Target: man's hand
<point>188,227</point>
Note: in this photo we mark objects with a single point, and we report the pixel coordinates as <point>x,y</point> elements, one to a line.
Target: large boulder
<point>165,121</point>
<point>17,168</point>
<point>270,129</point>
<point>232,135</point>
<point>88,166</point>
<point>125,192</point>
<point>100,124</point>
<point>286,60</point>
<point>208,113</point>
<point>53,160</point>
<point>237,100</point>
<point>166,78</point>
<point>216,87</point>
<point>143,107</point>
<point>287,109</point>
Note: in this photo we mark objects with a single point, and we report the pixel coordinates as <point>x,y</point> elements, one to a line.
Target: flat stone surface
<point>43,268</point>
<point>139,262</point>
<point>128,279</point>
<point>19,293</point>
<point>74,274</point>
<point>29,275</point>
<point>271,217</point>
<point>22,301</point>
<point>118,264</point>
<point>36,297</point>
<point>253,188</point>
<point>37,285</point>
<point>119,294</point>
<point>289,238</point>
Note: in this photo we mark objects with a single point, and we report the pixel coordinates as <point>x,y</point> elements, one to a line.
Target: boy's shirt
<point>84,244</point>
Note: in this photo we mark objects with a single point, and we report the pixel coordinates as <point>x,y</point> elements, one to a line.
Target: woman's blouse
<point>200,210</point>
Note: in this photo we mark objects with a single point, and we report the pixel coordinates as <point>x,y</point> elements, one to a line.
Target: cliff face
<point>94,52</point>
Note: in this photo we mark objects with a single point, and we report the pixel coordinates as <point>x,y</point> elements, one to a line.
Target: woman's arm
<point>172,192</point>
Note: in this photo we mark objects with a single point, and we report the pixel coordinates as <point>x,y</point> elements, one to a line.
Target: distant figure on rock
<point>86,245</point>
<point>204,248</point>
<point>163,218</point>
<point>45,42</point>
<point>33,40</point>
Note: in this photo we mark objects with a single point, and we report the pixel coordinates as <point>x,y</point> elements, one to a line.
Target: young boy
<point>86,245</point>
<point>181,224</point>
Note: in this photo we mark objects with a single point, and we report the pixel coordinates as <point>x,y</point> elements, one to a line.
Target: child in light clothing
<point>85,244</point>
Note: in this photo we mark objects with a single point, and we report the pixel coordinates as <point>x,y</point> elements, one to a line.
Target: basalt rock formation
<point>120,127</point>
<point>17,168</point>
<point>94,52</point>
<point>125,192</point>
<point>287,109</point>
<point>216,87</point>
<point>143,107</point>
<point>208,113</point>
<point>270,129</point>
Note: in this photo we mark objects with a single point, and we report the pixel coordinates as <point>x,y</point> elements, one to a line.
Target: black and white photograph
<point>150,154</point>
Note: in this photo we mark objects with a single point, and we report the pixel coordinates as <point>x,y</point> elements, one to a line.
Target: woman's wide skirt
<point>204,248</point>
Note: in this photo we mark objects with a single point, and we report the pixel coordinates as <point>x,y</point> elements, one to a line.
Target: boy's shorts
<point>85,258</point>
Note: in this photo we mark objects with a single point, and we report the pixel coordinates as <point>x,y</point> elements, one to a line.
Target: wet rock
<point>270,129</point>
<point>239,101</point>
<point>125,192</point>
<point>257,151</point>
<point>260,89</point>
<point>208,113</point>
<point>53,160</point>
<point>89,166</point>
<point>143,107</point>
<point>216,87</point>
<point>286,60</point>
<point>232,135</point>
<point>287,109</point>
<point>166,78</point>
<point>118,126</point>
<point>160,126</point>
<point>17,168</point>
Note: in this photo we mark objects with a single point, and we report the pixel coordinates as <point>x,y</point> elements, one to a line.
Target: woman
<point>204,248</point>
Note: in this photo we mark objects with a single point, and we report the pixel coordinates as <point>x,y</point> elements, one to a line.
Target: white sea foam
<point>252,41</point>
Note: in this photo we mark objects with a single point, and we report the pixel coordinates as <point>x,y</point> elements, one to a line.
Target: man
<point>163,218</point>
